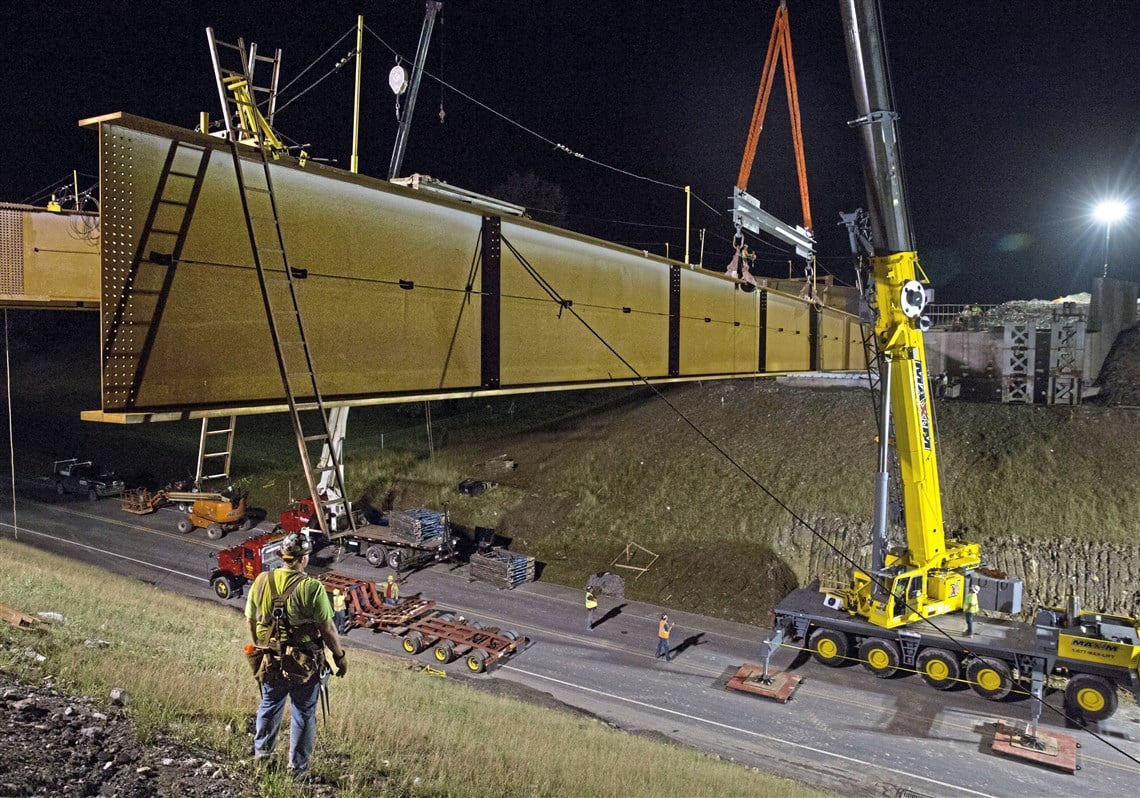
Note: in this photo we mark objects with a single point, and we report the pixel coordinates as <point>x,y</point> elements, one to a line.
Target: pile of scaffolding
<point>502,568</point>
<point>419,524</point>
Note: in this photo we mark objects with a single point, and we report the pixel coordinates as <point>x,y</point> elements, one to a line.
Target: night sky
<point>1015,117</point>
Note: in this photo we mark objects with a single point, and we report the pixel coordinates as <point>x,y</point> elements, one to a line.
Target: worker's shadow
<point>692,641</point>
<point>609,616</point>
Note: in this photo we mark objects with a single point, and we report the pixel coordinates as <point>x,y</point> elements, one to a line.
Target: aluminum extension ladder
<point>278,280</point>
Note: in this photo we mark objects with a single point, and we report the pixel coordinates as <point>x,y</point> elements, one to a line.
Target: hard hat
<point>976,589</point>
<point>664,616</point>
<point>336,591</point>
<point>391,578</point>
<point>295,546</point>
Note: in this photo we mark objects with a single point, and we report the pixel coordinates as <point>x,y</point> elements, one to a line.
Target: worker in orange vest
<point>664,627</point>
<point>392,591</point>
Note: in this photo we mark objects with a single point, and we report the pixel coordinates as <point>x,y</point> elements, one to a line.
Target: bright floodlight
<point>1110,211</point>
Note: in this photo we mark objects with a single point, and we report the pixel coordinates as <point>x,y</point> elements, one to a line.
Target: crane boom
<point>927,577</point>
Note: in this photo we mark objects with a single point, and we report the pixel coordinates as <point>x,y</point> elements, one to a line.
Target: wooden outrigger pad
<point>1046,748</point>
<point>779,685</point>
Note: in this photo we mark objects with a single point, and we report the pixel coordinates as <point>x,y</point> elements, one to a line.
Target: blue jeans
<point>969,623</point>
<point>663,647</point>
<point>303,728</point>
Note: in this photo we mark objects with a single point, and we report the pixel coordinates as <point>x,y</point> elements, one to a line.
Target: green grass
<point>395,730</point>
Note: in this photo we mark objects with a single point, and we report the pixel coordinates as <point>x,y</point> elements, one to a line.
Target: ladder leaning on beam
<point>245,125</point>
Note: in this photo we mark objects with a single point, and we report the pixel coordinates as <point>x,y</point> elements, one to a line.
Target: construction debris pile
<point>1040,312</point>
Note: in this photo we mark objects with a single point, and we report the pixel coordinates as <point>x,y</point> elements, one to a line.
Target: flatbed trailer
<point>419,625</point>
<point>1098,653</point>
<point>381,546</point>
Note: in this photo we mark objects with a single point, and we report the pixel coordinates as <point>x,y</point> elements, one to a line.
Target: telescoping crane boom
<point>886,617</point>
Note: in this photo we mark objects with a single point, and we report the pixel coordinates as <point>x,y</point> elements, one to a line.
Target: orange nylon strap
<point>779,41</point>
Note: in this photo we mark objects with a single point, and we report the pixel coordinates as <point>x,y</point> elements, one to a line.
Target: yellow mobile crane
<point>882,618</point>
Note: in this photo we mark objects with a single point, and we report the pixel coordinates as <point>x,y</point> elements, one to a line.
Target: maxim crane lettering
<point>923,408</point>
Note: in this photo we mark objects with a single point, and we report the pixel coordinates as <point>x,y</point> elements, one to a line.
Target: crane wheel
<point>880,657</point>
<point>939,668</point>
<point>829,647</point>
<point>990,678</point>
<point>1090,698</point>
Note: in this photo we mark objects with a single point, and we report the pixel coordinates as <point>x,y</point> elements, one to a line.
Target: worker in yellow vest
<point>591,605</point>
<point>664,627</point>
<point>392,591</point>
<point>340,609</point>
<point>970,608</point>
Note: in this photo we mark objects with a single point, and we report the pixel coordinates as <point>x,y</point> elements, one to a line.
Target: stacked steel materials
<point>502,568</point>
<point>419,524</point>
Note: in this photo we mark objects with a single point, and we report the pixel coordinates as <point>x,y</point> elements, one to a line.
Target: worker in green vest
<point>591,605</point>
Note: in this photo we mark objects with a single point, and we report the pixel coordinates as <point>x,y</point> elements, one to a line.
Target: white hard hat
<point>976,589</point>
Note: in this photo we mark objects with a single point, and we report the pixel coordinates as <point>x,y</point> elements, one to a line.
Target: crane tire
<point>989,677</point>
<point>939,668</point>
<point>1090,698</point>
<point>829,647</point>
<point>880,657</point>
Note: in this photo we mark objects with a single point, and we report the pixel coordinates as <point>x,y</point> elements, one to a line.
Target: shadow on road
<point>689,642</point>
<point>609,616</point>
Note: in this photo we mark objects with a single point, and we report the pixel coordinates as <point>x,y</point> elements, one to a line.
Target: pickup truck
<point>83,476</point>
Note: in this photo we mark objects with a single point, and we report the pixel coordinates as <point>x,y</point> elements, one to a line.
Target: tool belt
<point>281,662</point>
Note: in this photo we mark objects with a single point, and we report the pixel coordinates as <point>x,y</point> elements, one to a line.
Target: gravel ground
<point>60,745</point>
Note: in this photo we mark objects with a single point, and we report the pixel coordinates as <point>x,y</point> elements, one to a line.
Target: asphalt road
<point>844,730</point>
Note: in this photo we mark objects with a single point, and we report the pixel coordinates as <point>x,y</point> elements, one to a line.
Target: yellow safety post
<point>356,107</point>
